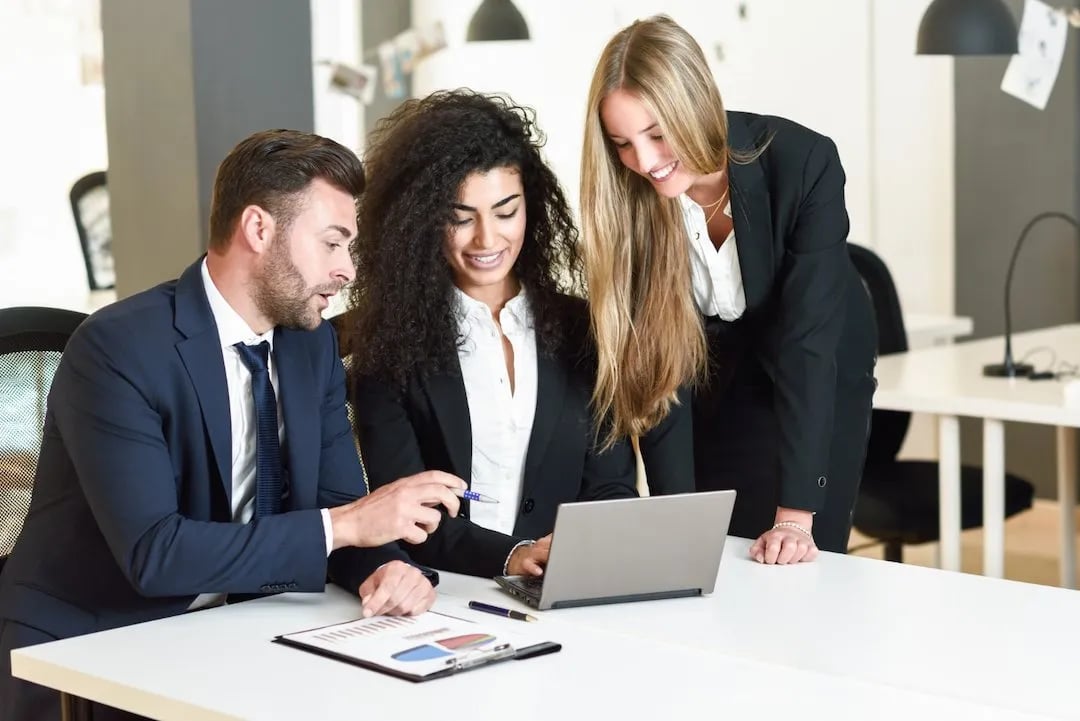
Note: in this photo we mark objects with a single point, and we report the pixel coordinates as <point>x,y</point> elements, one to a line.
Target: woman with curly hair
<point>467,353</point>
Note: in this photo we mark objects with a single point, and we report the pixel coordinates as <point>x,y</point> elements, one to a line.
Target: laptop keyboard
<point>533,584</point>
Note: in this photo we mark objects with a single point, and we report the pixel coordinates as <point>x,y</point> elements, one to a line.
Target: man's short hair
<point>272,169</point>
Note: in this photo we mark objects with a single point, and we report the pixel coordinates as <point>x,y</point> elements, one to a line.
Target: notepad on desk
<point>418,648</point>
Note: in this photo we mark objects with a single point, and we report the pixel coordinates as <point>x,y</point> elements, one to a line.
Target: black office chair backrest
<point>90,206</point>
<point>31,343</point>
<point>888,427</point>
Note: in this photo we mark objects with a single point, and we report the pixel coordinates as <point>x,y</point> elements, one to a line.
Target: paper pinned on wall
<point>358,82</point>
<point>1031,73</point>
<point>407,46</point>
<point>397,58</point>
<point>432,38</point>
<point>393,77</point>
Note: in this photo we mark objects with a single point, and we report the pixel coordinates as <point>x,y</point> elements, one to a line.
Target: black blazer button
<point>821,481</point>
<point>528,505</point>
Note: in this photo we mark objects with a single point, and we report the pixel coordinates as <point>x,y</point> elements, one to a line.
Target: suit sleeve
<point>609,474</point>
<point>605,474</point>
<point>114,437</point>
<point>812,292</point>
<point>667,451</point>
<point>342,479</point>
<point>391,450</point>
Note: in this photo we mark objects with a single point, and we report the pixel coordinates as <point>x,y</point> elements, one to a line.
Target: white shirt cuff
<point>519,544</point>
<point>328,529</point>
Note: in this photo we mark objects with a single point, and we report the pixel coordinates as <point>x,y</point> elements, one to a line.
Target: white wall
<point>846,68</point>
<point>550,74</point>
<point>766,70</point>
<point>54,131</point>
<point>55,128</point>
<point>914,185</point>
<point>335,37</point>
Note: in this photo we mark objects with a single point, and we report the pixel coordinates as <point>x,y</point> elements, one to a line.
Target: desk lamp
<point>1008,368</point>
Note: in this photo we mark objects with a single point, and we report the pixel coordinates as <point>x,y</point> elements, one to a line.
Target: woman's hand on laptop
<point>790,540</point>
<point>530,560</point>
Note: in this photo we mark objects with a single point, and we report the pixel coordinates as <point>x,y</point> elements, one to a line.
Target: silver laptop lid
<point>637,546</point>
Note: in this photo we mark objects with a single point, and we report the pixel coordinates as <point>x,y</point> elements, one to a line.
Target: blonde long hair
<point>649,336</point>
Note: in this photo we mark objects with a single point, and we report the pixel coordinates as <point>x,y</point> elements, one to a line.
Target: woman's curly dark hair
<point>402,318</point>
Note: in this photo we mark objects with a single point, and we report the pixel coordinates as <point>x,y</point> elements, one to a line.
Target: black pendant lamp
<point>497,20</point>
<point>967,27</point>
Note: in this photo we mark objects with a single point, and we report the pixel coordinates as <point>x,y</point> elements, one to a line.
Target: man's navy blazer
<point>130,518</point>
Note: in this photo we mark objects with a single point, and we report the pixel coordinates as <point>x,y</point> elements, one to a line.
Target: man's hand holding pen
<point>402,510</point>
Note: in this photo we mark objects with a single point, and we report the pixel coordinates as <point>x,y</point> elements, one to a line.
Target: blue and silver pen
<point>499,611</point>
<point>474,496</point>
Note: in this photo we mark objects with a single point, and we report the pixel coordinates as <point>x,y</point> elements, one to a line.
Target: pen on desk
<point>486,608</point>
<point>473,496</point>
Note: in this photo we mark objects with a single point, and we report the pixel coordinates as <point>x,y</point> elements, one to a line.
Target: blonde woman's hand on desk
<point>790,540</point>
<point>530,560</point>
<point>396,589</point>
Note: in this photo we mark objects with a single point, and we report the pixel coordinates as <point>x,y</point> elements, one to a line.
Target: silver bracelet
<point>791,524</point>
<point>506,563</point>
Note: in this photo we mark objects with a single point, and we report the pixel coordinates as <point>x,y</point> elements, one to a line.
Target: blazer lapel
<point>550,394</point>
<point>300,411</point>
<point>201,354</point>
<point>751,214</point>
<point>447,393</point>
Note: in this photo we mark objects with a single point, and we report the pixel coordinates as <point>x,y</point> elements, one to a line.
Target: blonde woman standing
<point>716,258</point>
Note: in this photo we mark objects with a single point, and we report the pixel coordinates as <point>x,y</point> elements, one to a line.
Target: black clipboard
<point>452,662</point>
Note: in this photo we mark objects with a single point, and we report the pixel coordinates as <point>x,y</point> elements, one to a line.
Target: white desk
<point>948,381</point>
<point>925,329</point>
<point>843,638</point>
<point>1000,643</point>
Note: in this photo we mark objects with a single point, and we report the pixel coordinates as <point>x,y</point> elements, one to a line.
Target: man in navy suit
<point>196,444</point>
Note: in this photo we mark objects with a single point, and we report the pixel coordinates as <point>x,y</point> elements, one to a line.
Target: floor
<point>1031,547</point>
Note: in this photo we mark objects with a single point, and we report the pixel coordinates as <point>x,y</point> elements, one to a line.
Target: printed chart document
<point>418,648</point>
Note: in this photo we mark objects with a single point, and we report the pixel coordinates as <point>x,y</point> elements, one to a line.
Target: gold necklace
<point>717,204</point>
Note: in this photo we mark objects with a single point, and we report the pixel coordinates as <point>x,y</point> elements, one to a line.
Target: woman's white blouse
<point>716,275</point>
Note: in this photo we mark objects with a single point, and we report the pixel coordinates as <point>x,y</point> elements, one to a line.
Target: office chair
<point>31,342</point>
<point>90,206</point>
<point>898,500</point>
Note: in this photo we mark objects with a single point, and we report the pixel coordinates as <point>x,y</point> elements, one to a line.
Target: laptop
<point>630,549</point>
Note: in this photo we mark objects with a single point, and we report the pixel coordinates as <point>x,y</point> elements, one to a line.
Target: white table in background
<point>948,381</point>
<point>84,301</point>
<point>843,638</point>
<point>925,329</point>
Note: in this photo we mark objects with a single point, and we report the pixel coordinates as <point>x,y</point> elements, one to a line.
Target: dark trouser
<point>23,701</point>
<point>736,442</point>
